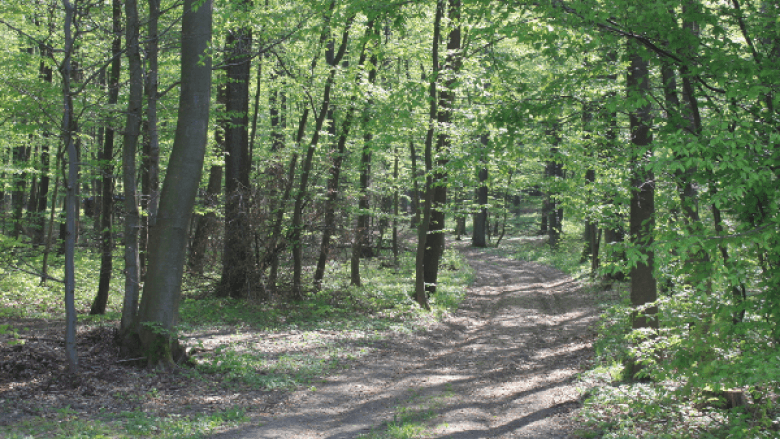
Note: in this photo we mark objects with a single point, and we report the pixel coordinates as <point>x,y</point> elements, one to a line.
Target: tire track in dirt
<point>504,365</point>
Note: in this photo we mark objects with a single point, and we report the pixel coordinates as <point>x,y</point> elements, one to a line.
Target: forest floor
<point>505,364</point>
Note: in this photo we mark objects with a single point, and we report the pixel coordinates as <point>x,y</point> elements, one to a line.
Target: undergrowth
<point>698,356</point>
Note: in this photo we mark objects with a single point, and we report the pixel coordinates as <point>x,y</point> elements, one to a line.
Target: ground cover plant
<point>670,402</point>
<point>246,356</point>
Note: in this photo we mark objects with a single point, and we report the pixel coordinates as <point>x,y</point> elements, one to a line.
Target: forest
<point>163,159</point>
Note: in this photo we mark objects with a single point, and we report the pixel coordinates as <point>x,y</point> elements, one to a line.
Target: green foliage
<point>694,356</point>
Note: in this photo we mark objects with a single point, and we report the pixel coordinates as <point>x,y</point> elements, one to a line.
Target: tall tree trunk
<point>159,310</point>
<point>435,243</point>
<point>360,246</point>
<point>642,211</point>
<point>237,262</point>
<point>39,221</point>
<point>68,132</point>
<point>206,224</point>
<point>129,148</point>
<point>150,179</point>
<point>420,290</point>
<point>396,195</point>
<point>107,169</point>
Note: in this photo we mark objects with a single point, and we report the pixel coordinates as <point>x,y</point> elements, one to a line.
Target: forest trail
<point>504,365</point>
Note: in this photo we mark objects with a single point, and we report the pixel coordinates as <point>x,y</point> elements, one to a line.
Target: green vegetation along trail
<point>504,365</point>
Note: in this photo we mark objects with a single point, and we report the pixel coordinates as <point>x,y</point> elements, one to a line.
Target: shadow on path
<point>503,366</point>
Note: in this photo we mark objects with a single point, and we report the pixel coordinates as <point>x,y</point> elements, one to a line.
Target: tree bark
<point>21,157</point>
<point>68,132</point>
<point>237,263</point>
<point>129,147</point>
<point>479,230</point>
<point>452,64</point>
<point>107,169</point>
<point>207,223</point>
<point>150,180</point>
<point>360,246</point>
<point>420,290</point>
<point>642,211</point>
<point>158,313</point>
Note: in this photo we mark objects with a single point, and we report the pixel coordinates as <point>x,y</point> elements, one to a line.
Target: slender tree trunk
<point>129,148</point>
<point>416,202</point>
<point>68,130</point>
<point>642,220</point>
<point>554,173</point>
<point>396,195</point>
<point>159,310</point>
<point>479,231</point>
<point>50,229</point>
<point>276,208</point>
<point>39,222</point>
<point>21,157</point>
<point>300,197</point>
<point>420,290</point>
<point>107,169</point>
<point>360,246</point>
<point>435,243</point>
<point>150,180</point>
<point>335,172</point>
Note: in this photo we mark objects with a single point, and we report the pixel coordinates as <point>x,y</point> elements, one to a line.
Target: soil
<point>504,365</point>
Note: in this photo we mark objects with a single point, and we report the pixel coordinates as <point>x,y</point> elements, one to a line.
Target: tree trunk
<point>107,169</point>
<point>237,266</point>
<point>554,172</point>
<point>129,147</point>
<point>150,180</point>
<point>159,310</point>
<point>21,157</point>
<point>479,231</point>
<point>360,246</point>
<point>420,290</point>
<point>642,219</point>
<point>39,222</point>
<point>396,195</point>
<point>207,223</point>
<point>435,242</point>
<point>68,132</point>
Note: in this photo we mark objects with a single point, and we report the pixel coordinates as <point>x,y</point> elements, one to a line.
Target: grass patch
<point>67,424</point>
<point>23,296</point>
<point>412,419</point>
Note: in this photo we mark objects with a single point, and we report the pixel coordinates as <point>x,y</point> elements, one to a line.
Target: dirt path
<point>503,366</point>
